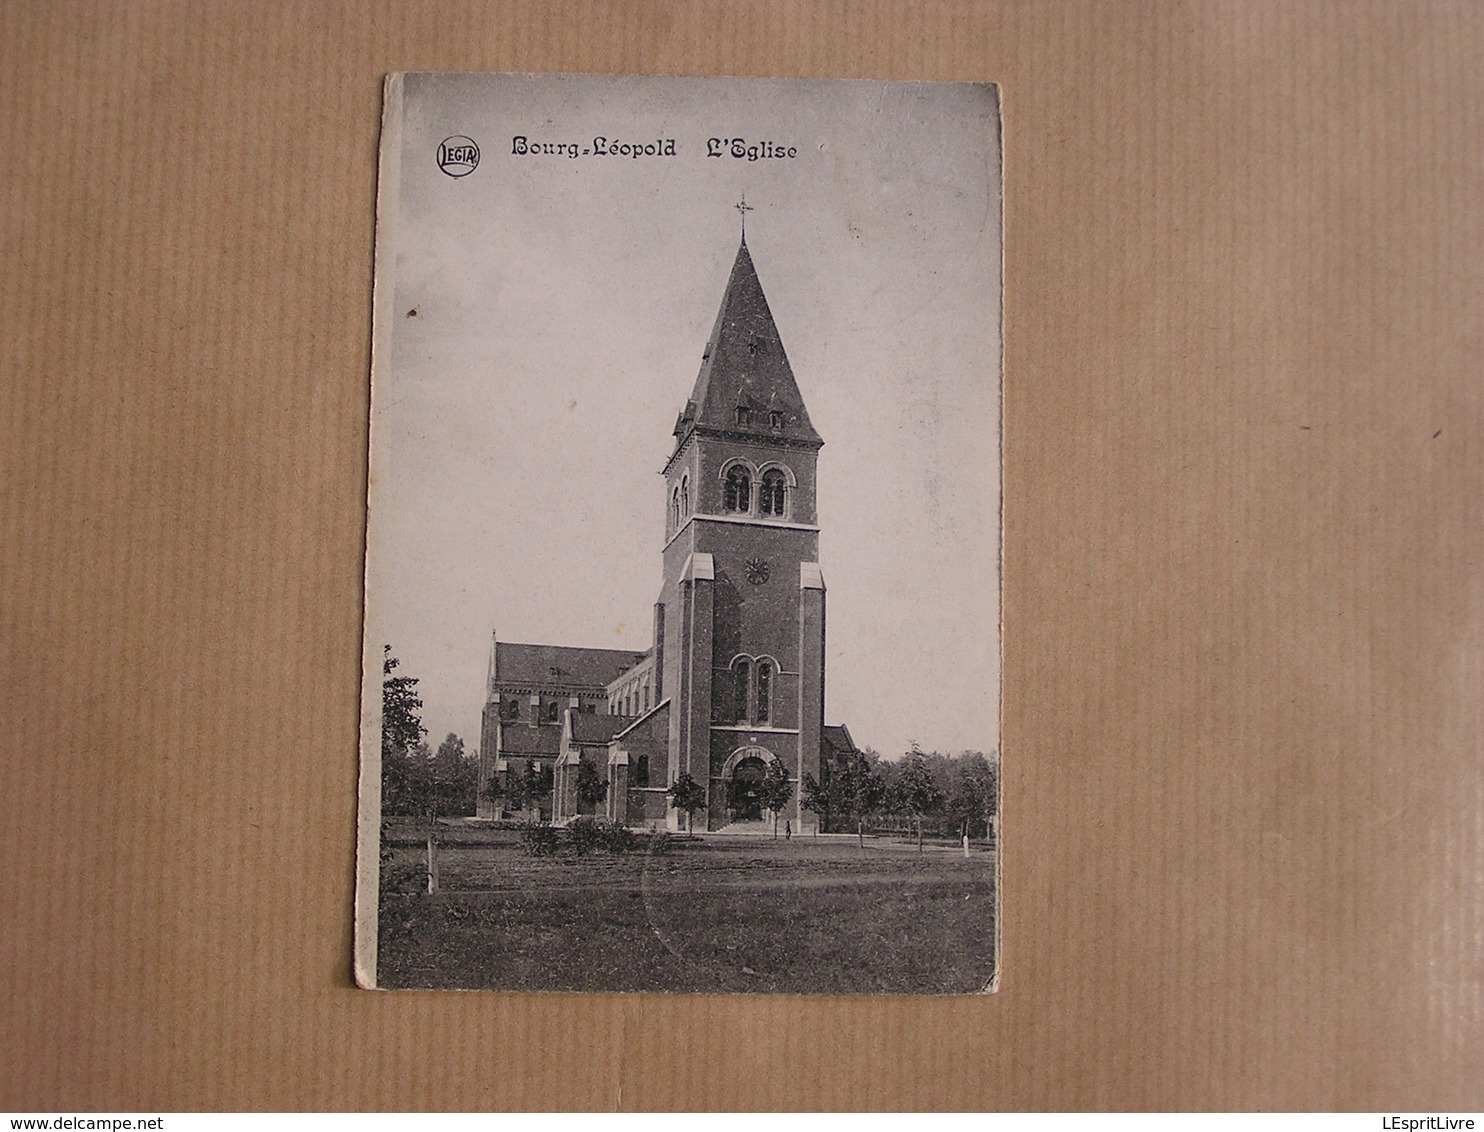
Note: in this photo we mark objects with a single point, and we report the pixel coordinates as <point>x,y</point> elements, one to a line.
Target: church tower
<point>739,625</point>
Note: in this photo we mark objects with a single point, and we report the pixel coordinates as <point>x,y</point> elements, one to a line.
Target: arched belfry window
<point>684,496</point>
<point>739,489</point>
<point>752,690</point>
<point>741,688</point>
<point>773,496</point>
<point>675,509</point>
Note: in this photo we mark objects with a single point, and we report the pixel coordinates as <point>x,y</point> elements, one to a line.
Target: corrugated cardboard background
<point>1244,792</point>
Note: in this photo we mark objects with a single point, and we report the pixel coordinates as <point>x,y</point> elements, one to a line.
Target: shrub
<point>618,839</point>
<point>584,835</point>
<point>398,874</point>
<point>660,842</point>
<point>538,840</point>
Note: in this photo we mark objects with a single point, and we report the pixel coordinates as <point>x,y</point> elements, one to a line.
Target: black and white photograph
<point>682,625</point>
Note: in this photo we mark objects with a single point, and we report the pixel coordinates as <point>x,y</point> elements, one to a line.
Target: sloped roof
<point>590,727</point>
<point>650,734</point>
<point>838,738</point>
<point>745,366</point>
<point>561,665</point>
<point>521,739</point>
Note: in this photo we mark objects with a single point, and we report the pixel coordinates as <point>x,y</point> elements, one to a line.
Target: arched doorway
<point>742,791</point>
<point>743,773</point>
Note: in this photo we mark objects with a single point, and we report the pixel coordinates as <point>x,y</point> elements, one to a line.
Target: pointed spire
<point>746,384</point>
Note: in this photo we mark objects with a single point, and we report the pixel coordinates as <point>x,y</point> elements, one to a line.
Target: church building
<point>734,678</point>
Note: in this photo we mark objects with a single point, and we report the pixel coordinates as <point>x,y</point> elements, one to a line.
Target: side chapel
<point>734,679</point>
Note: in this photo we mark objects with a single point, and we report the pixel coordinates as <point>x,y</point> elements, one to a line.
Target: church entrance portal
<point>742,790</point>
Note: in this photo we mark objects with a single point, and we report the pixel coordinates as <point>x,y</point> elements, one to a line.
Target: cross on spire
<point>744,208</point>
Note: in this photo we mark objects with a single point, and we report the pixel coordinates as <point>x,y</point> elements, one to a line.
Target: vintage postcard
<point>682,646</point>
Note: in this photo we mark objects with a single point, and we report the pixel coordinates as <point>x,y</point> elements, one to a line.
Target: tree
<point>401,726</point>
<point>687,794</point>
<point>415,792</point>
<point>816,799</point>
<point>856,790</point>
<point>404,783</point>
<point>539,779</point>
<point>404,764</point>
<point>530,787</point>
<point>913,790</point>
<point>973,794</point>
<point>454,778</point>
<point>774,791</point>
<point>494,788</point>
<point>592,787</point>
<point>515,790</point>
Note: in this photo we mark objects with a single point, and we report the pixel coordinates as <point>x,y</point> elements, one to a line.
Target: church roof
<point>837,738</point>
<point>521,740</point>
<point>560,664</point>
<point>591,727</point>
<point>745,367</point>
<point>649,735</point>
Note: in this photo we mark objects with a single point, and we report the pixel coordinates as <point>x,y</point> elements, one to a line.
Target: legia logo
<point>458,156</point>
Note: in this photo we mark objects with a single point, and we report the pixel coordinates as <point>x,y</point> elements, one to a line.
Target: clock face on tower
<point>757,570</point>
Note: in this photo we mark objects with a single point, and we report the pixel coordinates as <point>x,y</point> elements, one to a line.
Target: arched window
<point>741,686</point>
<point>684,496</point>
<point>764,691</point>
<point>675,509</point>
<point>773,496</point>
<point>641,772</point>
<point>739,489</point>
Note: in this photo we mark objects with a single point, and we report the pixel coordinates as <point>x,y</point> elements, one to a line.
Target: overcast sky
<point>521,416</point>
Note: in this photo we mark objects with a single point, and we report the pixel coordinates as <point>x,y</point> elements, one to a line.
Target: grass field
<point>719,914</point>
